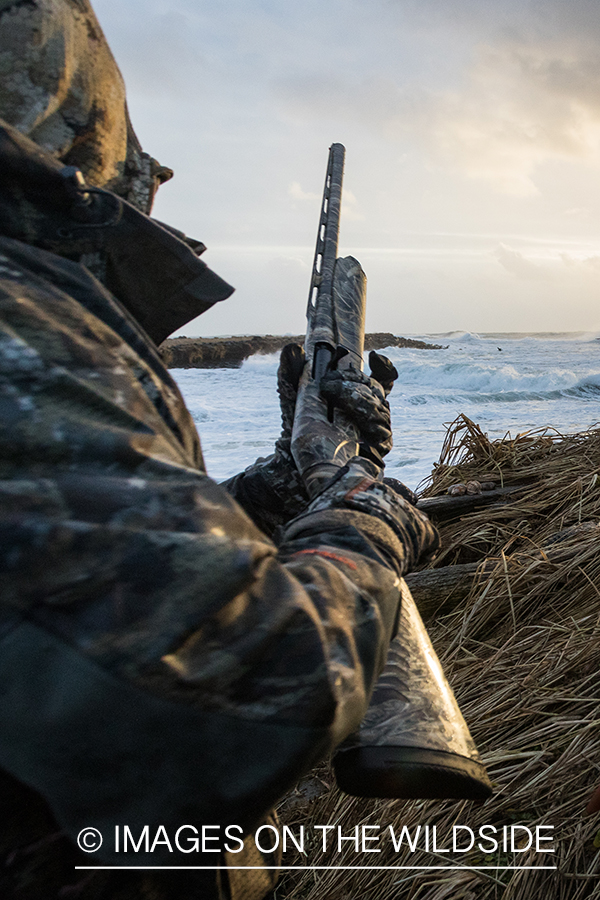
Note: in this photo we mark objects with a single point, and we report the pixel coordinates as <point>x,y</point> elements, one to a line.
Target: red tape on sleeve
<point>328,555</point>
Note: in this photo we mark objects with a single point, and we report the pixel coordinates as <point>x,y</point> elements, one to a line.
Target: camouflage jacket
<point>162,662</point>
<point>155,646</point>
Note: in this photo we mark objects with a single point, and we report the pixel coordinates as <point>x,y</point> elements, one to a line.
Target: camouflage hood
<point>152,270</point>
<point>61,86</point>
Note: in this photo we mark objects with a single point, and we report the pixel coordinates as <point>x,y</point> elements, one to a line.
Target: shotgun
<point>413,741</point>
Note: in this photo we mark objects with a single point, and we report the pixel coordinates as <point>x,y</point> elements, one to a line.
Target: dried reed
<point>522,654</point>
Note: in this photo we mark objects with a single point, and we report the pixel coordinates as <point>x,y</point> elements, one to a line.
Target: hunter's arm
<point>147,625</point>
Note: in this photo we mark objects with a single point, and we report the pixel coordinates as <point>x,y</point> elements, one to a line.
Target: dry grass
<point>523,656</point>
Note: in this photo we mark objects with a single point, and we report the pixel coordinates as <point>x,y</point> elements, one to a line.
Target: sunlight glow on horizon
<point>472,184</point>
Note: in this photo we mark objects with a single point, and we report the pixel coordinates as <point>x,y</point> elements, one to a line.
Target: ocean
<point>506,383</point>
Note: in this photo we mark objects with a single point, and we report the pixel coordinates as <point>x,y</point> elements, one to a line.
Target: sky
<point>472,133</point>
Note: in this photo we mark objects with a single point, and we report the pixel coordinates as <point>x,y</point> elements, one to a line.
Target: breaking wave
<point>503,382</point>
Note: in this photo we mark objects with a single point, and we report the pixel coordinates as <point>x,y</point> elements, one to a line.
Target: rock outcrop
<point>230,352</point>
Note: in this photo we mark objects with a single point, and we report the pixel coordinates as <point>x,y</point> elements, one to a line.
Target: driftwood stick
<point>440,590</point>
<point>437,590</point>
<point>447,507</point>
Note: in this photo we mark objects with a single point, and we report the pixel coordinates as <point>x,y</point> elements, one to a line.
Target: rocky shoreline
<point>230,352</point>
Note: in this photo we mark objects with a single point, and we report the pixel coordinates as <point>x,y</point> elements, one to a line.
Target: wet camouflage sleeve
<point>270,491</point>
<point>160,660</point>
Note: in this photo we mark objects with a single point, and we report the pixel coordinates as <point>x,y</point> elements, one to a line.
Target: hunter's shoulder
<point>81,377</point>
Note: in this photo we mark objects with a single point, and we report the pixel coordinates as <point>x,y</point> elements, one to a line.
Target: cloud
<point>492,89</point>
<point>522,105</point>
<point>567,19</point>
<point>520,102</point>
<point>155,49</point>
<point>568,260</point>
<point>591,263</point>
<point>350,208</point>
<point>436,101</point>
<point>296,193</point>
<point>517,264</point>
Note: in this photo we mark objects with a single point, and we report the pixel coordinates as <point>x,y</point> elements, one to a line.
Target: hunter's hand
<point>271,489</point>
<point>291,366</point>
<point>363,402</point>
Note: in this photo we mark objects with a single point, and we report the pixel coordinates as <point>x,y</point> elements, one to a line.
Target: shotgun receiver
<point>413,741</point>
<point>334,339</point>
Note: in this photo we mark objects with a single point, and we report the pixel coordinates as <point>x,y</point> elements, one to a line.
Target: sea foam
<point>505,383</point>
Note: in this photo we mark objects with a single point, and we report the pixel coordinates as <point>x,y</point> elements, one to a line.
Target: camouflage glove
<point>271,490</point>
<point>363,402</point>
<point>409,537</point>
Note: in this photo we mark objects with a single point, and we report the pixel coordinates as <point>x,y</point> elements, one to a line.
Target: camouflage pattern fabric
<point>60,85</point>
<point>38,862</point>
<point>148,629</point>
<point>162,662</point>
<point>271,490</point>
<point>362,400</point>
<point>408,536</point>
<point>154,271</point>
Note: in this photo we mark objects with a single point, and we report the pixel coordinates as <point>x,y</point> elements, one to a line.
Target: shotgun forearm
<point>323,439</point>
